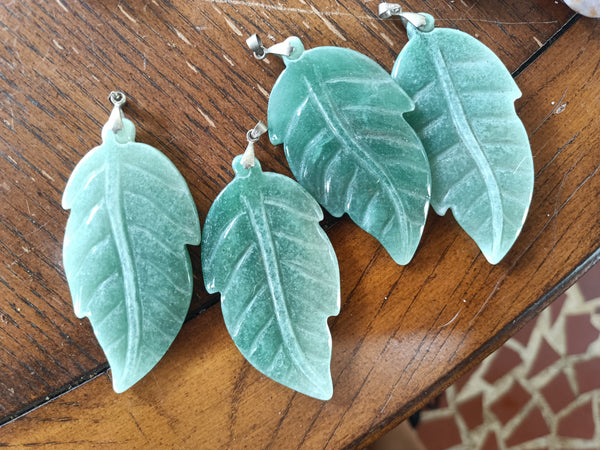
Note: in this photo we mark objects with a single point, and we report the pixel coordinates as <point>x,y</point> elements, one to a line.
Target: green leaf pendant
<point>278,276</point>
<point>340,117</point>
<point>124,250</point>
<point>478,149</point>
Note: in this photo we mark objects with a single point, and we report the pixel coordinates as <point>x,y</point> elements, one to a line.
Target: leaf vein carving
<point>118,224</point>
<point>321,138</point>
<point>240,262</point>
<point>98,322</point>
<point>151,237</point>
<point>91,178</point>
<point>430,125</point>
<point>340,129</point>
<point>293,124</point>
<point>369,204</point>
<point>88,254</point>
<point>468,137</point>
<point>160,331</point>
<point>157,179</point>
<point>177,224</point>
<point>260,224</point>
<point>259,336</point>
<point>518,201</point>
<point>166,277</point>
<point>328,163</point>
<point>390,139</point>
<point>275,359</point>
<point>413,166</point>
<point>221,239</point>
<point>446,155</point>
<point>93,297</point>
<point>464,179</point>
<point>359,80</point>
<point>244,314</point>
<point>304,243</point>
<point>423,91</point>
<point>300,268</point>
<point>371,109</point>
<point>115,344</point>
<point>166,311</point>
<point>388,225</point>
<point>512,224</point>
<point>86,221</point>
<point>287,208</point>
<point>347,187</point>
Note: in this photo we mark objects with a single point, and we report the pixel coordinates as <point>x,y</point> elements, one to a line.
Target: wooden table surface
<point>404,333</point>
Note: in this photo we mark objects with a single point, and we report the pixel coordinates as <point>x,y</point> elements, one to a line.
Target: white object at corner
<point>589,8</point>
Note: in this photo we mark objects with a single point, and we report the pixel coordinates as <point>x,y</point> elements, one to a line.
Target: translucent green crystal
<point>478,149</point>
<point>124,250</point>
<point>340,117</point>
<point>278,276</point>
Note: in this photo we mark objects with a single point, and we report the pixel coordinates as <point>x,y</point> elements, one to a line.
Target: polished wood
<point>404,332</point>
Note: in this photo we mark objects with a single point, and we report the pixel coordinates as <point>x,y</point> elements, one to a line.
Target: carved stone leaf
<point>278,276</point>
<point>124,251</point>
<point>340,118</point>
<point>478,149</point>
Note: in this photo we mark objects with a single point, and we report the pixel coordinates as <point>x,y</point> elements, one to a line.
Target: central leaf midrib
<point>469,139</point>
<point>116,214</point>
<point>365,161</point>
<point>254,203</point>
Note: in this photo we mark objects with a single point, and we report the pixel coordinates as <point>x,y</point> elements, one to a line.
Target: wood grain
<point>403,334</point>
<point>193,90</point>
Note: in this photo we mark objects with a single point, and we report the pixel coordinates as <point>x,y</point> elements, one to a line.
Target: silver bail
<point>115,120</point>
<point>252,136</point>
<point>389,10</point>
<point>260,51</point>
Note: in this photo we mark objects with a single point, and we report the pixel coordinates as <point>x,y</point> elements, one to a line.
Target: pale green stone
<point>125,252</point>
<point>278,276</point>
<point>340,117</point>
<point>478,149</point>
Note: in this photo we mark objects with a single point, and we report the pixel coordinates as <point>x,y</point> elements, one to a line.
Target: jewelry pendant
<point>124,250</point>
<point>478,149</point>
<point>340,117</point>
<point>277,273</point>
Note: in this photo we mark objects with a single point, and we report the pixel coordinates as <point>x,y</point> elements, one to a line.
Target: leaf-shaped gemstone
<point>124,251</point>
<point>278,276</point>
<point>479,153</point>
<point>340,117</point>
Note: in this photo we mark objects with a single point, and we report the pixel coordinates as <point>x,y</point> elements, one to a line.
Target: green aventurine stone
<point>340,117</point>
<point>478,149</point>
<point>125,252</point>
<point>278,276</point>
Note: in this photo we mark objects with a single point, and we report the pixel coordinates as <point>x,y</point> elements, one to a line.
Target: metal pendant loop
<point>260,51</point>
<point>252,136</point>
<point>389,10</point>
<point>115,120</point>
